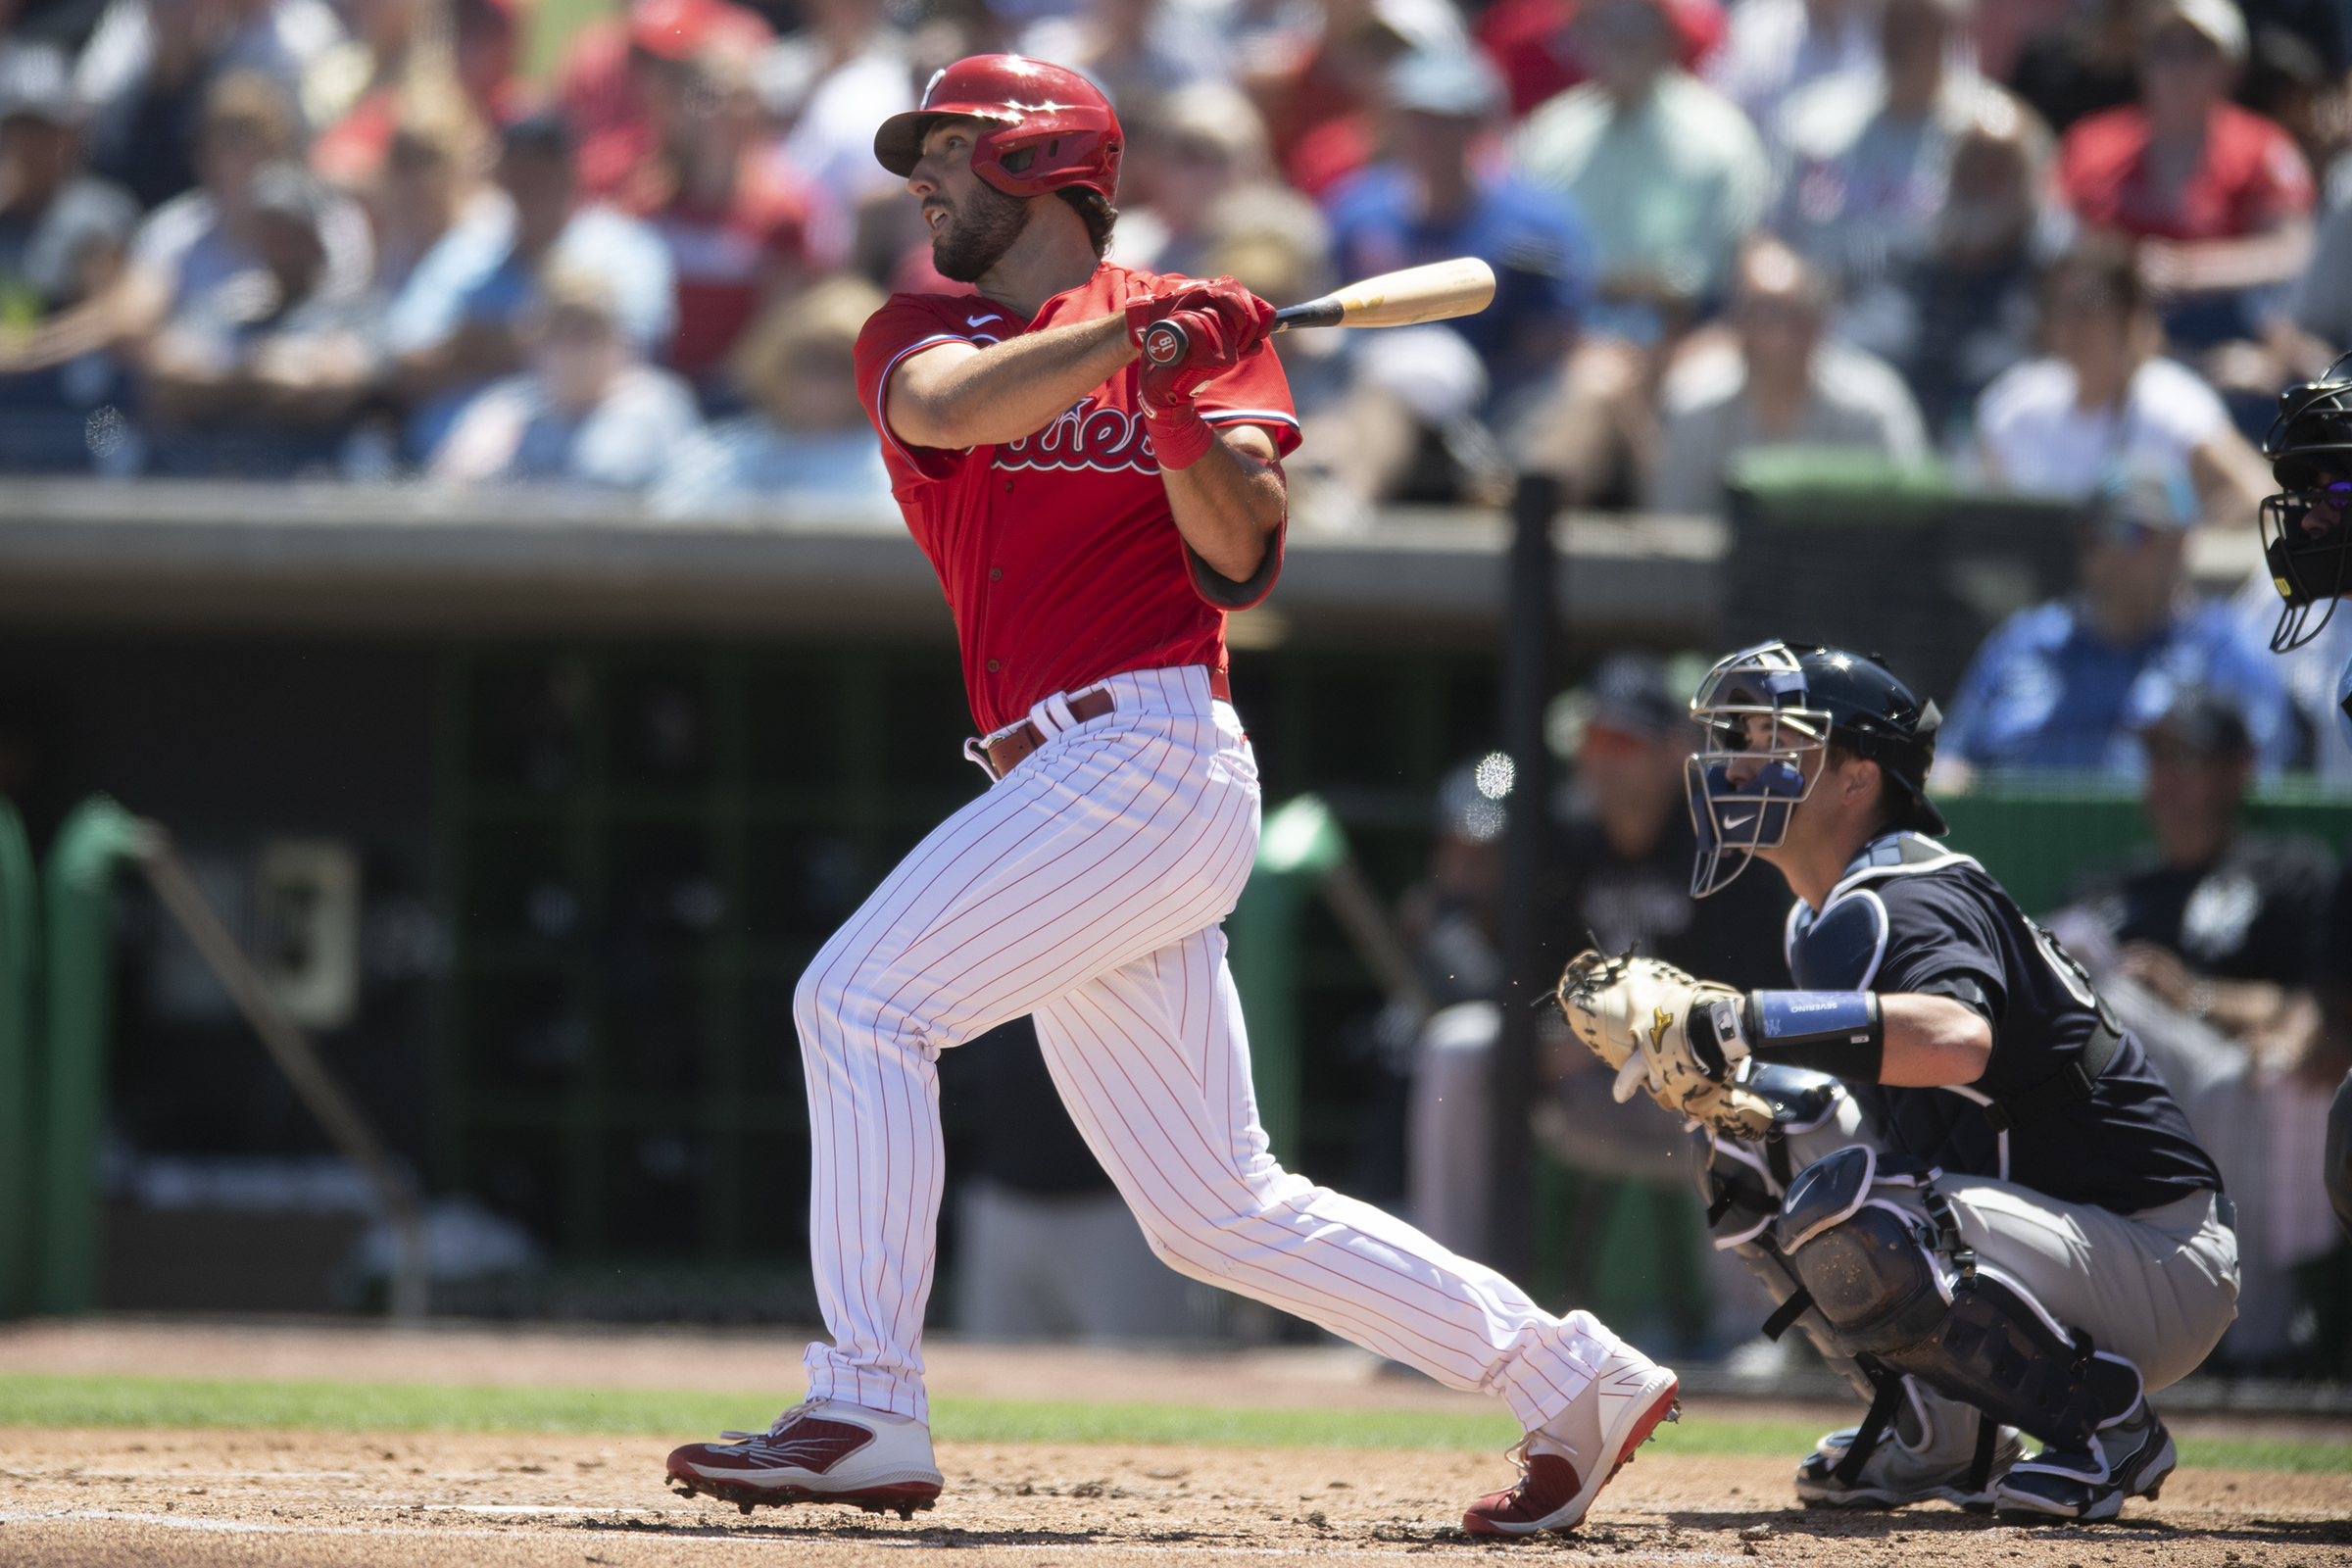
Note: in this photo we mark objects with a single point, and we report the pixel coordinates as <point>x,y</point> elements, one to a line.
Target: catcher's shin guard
<point>1905,1293</point>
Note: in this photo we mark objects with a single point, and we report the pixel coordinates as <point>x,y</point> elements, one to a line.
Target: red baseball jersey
<point>1058,552</point>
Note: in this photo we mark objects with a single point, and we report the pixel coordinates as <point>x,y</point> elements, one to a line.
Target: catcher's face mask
<point>2306,536</point>
<point>2306,543</point>
<point>1752,768</point>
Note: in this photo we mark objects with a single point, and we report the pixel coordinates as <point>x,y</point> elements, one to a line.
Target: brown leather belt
<point>1007,754</point>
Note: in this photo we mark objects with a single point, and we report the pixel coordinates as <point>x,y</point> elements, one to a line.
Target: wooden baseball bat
<point>1437,292</point>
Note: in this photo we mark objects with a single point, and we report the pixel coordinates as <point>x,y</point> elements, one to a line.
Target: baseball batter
<point>1092,518</point>
<point>1942,1156</point>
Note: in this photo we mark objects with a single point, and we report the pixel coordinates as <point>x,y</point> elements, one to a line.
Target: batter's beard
<point>976,238</point>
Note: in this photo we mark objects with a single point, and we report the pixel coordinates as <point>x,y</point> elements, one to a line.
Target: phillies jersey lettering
<point>1085,436</point>
<point>1058,552</point>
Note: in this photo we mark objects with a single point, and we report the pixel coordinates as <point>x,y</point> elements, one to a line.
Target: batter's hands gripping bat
<point>1438,292</point>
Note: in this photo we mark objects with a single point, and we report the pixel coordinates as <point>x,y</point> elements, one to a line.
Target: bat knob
<point>1166,343</point>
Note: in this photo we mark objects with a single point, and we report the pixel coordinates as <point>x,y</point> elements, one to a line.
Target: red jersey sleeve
<point>907,325</point>
<point>1253,392</point>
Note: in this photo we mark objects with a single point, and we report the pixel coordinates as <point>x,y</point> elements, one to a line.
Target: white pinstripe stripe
<point>1086,888</point>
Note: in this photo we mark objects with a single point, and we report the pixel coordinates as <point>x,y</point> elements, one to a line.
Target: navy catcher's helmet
<point>1776,702</point>
<point>2307,538</point>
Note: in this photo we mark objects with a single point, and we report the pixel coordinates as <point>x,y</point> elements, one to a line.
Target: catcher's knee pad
<point>1901,1289</point>
<point>1742,1180</point>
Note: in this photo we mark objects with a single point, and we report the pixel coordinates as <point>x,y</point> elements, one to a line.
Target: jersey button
<point>992,667</point>
<point>995,574</point>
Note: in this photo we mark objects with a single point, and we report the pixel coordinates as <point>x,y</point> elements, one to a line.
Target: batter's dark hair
<point>1095,208</point>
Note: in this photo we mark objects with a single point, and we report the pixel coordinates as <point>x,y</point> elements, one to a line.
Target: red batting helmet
<point>1056,129</point>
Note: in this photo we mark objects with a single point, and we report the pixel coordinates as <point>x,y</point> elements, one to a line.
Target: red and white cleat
<point>820,1451</point>
<point>1564,1468</point>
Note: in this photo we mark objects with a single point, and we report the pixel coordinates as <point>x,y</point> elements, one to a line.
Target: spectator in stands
<point>2220,197</point>
<point>1275,242</point>
<point>457,327</point>
<point>1775,48</point>
<point>1621,877</point>
<point>1321,95</point>
<point>733,221</point>
<point>1964,309</point>
<point>409,79</point>
<point>430,192</point>
<point>2208,945</point>
<point>1669,178</point>
<point>1406,428</point>
<point>203,241</point>
<point>829,85</point>
<point>2289,81</point>
<point>2073,683</point>
<point>257,376</point>
<point>1783,384</point>
<point>2314,327</point>
<point>2219,924</point>
<point>2083,63</point>
<point>62,239</point>
<point>1868,157</point>
<point>147,70</point>
<point>1428,201</point>
<point>1186,151</point>
<point>609,70</point>
<point>2102,397</point>
<point>807,436</point>
<point>1667,173</point>
<point>1132,49</point>
<point>587,411</point>
<point>1534,43</point>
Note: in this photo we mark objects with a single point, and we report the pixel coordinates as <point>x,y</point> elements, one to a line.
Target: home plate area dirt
<point>145,1498</point>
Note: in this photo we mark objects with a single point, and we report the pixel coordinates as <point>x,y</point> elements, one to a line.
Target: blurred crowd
<point>2033,238</point>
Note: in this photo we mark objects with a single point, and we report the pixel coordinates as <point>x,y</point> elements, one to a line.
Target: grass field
<point>34,1400</point>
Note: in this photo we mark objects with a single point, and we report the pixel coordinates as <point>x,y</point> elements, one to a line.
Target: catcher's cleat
<point>820,1451</point>
<point>1897,1473</point>
<point>2129,1458</point>
<point>1564,1465</point>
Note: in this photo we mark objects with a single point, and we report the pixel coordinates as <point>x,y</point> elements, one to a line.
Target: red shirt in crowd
<point>1529,39</point>
<point>727,257</point>
<point>2252,176</point>
<point>1058,552</point>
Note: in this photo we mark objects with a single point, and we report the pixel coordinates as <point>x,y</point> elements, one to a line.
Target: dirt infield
<point>309,1499</point>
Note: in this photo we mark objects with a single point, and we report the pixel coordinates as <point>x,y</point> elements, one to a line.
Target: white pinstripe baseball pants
<point>1085,888</point>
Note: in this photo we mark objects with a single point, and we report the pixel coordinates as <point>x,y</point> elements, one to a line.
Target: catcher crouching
<point>1952,1169</point>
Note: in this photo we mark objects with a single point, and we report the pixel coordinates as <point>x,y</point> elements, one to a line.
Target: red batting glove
<point>1225,324</point>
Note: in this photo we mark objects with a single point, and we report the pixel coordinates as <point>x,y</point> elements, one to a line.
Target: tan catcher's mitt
<point>1634,1014</point>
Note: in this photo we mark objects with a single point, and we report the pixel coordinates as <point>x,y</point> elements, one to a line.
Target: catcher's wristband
<point>1838,1032</point>
<point>1180,437</point>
